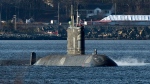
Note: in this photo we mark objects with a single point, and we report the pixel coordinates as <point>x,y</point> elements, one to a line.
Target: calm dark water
<point>132,56</point>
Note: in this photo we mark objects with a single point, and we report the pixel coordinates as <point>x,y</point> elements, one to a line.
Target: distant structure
<point>31,20</point>
<point>96,10</point>
<point>126,20</point>
<point>14,22</point>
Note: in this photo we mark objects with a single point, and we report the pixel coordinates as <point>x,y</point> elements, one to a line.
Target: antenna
<point>72,17</point>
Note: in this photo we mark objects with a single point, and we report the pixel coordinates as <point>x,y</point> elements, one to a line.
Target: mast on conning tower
<point>75,38</point>
<point>72,17</point>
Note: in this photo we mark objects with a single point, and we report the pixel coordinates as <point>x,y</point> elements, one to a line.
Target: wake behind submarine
<point>75,52</point>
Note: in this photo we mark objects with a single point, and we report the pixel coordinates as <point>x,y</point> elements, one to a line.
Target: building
<point>126,20</point>
<point>95,11</point>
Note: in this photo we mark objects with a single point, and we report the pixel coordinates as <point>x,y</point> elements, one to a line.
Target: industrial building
<point>141,20</point>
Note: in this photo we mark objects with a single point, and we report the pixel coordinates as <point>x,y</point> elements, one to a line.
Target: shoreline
<point>52,38</point>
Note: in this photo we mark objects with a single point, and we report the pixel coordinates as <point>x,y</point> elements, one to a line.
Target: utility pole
<point>77,22</point>
<point>58,12</point>
<point>0,15</point>
<point>18,9</point>
<point>14,19</point>
<point>7,13</point>
<point>0,20</point>
<point>115,8</point>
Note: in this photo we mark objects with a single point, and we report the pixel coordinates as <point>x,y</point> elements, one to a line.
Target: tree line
<point>38,8</point>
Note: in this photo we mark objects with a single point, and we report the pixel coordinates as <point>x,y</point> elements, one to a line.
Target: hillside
<point>44,10</point>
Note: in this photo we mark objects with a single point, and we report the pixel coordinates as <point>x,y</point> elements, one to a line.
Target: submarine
<point>75,52</point>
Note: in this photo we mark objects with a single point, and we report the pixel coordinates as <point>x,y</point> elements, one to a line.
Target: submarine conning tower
<point>75,38</point>
<point>75,41</point>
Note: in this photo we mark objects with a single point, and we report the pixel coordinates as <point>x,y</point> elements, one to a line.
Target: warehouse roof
<point>127,18</point>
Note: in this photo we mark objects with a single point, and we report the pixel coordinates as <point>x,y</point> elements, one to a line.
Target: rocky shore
<point>30,37</point>
<point>92,32</point>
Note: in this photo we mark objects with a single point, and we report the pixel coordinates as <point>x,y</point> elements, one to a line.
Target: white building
<point>99,10</point>
<point>126,20</point>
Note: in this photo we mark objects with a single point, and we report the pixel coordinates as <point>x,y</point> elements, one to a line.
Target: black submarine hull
<point>76,60</point>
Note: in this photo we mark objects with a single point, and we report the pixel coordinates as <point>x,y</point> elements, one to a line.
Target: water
<point>132,56</point>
